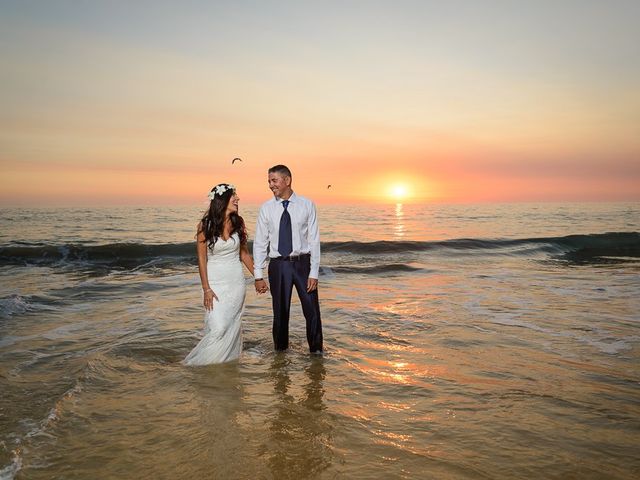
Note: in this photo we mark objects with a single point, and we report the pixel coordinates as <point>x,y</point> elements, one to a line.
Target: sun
<point>399,191</point>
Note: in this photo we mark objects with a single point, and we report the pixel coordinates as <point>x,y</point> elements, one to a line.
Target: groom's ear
<point>287,180</point>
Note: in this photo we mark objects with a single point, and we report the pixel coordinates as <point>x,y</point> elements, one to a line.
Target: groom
<point>287,232</point>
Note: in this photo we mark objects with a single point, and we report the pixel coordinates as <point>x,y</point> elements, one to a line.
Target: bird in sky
<point>328,187</point>
<point>236,160</point>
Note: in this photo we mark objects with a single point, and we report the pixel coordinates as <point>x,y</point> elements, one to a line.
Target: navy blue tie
<point>285,243</point>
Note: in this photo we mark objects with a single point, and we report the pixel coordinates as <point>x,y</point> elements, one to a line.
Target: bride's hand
<point>209,295</point>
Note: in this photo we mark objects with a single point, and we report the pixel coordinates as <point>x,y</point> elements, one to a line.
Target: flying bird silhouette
<point>235,160</point>
<point>328,187</point>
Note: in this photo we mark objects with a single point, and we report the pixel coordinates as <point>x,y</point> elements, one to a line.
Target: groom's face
<point>279,184</point>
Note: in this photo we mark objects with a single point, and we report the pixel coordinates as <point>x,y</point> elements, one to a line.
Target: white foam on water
<point>11,339</point>
<point>64,331</point>
<point>610,347</point>
<point>253,352</point>
<point>14,304</point>
<point>600,338</point>
<point>511,320</point>
<point>10,471</point>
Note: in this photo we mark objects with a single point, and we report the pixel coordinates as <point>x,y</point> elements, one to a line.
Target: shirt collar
<point>292,198</point>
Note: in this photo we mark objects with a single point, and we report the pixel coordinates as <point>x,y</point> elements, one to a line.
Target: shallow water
<point>461,342</point>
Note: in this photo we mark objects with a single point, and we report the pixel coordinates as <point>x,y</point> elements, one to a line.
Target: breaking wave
<point>574,248</point>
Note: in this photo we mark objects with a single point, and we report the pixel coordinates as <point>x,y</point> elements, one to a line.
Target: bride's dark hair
<point>212,223</point>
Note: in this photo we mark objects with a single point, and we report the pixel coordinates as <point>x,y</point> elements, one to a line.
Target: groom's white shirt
<point>304,232</point>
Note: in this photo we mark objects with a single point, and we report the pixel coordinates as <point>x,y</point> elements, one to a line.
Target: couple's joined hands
<point>261,286</point>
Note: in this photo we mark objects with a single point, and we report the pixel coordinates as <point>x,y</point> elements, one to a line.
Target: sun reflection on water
<point>399,227</point>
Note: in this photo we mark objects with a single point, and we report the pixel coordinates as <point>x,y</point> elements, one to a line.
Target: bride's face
<point>232,206</point>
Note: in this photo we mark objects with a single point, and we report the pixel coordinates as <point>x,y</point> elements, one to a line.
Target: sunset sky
<point>147,102</point>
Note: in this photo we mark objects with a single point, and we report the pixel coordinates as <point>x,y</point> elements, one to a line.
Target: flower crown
<point>220,189</point>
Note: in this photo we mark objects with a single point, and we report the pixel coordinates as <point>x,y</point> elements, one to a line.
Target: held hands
<point>261,286</point>
<point>209,295</point>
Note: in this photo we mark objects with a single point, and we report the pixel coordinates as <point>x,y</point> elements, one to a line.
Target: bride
<point>222,246</point>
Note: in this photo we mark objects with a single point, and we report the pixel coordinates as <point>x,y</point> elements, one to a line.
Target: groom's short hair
<point>282,170</point>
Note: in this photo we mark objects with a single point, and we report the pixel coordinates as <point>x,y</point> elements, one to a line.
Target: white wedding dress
<point>222,341</point>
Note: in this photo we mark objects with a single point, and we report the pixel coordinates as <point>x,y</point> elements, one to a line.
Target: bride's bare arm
<point>201,248</point>
<point>246,258</point>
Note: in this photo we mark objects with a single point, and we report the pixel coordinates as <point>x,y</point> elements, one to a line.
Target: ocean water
<point>462,342</point>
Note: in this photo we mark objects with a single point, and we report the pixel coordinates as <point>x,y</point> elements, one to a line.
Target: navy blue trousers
<point>283,276</point>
